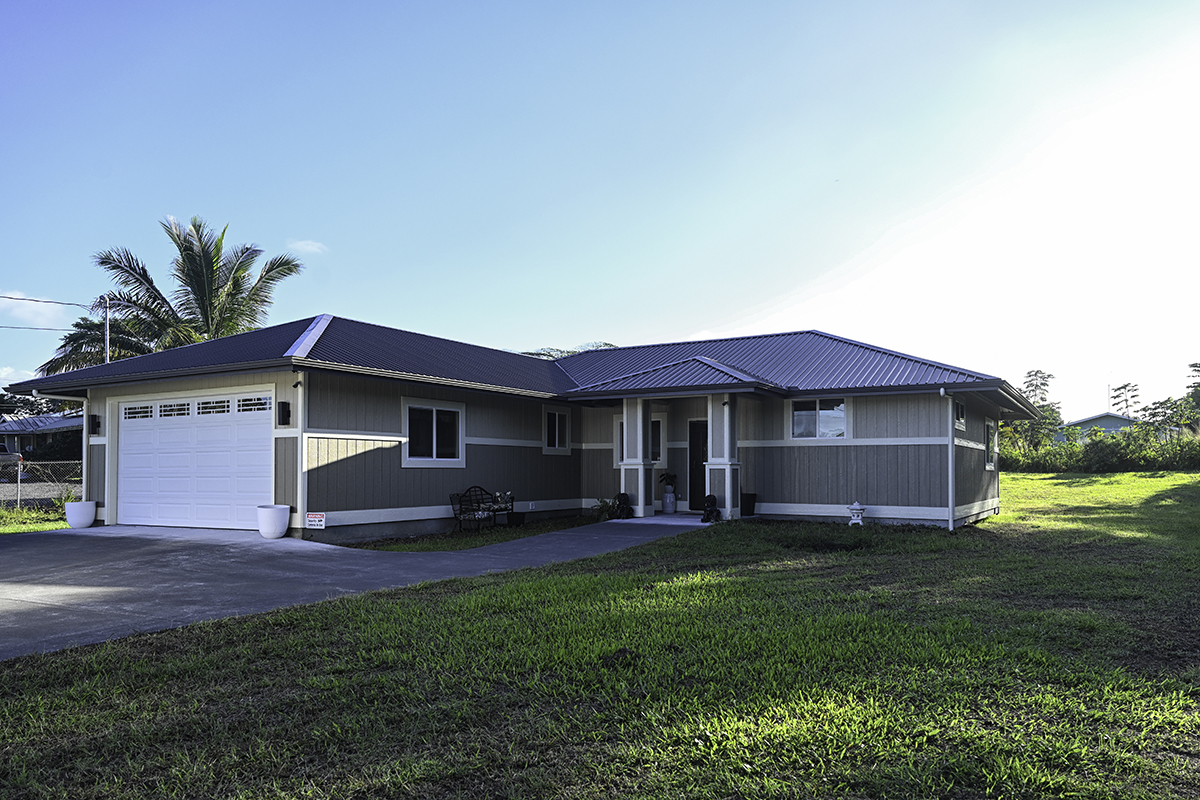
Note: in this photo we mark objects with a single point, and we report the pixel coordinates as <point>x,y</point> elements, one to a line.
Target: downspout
<point>949,456</point>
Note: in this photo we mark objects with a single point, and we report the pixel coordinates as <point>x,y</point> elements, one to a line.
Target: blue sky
<point>999,186</point>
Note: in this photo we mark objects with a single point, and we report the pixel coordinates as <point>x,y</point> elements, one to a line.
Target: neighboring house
<point>1109,422</point>
<point>25,434</point>
<point>375,427</point>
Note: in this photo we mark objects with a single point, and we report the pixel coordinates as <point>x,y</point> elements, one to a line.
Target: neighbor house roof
<point>1113,416</point>
<point>805,362</point>
<point>43,423</point>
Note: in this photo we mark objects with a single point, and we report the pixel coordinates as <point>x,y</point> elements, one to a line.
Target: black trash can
<point>748,501</point>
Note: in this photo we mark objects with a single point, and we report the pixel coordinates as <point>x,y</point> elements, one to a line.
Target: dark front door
<point>697,455</point>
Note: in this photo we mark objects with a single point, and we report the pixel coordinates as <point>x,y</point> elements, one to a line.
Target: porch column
<point>722,471</point>
<point>637,470</point>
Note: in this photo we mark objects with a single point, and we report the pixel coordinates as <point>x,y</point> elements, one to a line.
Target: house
<point>1108,422</point>
<point>374,427</point>
<point>26,434</point>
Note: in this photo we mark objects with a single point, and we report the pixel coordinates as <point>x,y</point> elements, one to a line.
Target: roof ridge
<point>709,362</point>
<point>304,344</point>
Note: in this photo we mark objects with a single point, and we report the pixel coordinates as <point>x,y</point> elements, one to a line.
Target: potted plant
<point>667,479</point>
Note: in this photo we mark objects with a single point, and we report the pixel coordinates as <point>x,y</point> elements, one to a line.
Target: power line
<point>35,300</point>
<point>20,328</point>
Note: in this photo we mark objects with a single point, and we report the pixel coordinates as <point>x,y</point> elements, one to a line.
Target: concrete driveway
<point>64,588</point>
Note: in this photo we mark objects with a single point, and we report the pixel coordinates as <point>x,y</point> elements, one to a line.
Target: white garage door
<point>198,463</point>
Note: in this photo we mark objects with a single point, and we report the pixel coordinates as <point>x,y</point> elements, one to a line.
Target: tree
<point>216,295</point>
<point>1124,399</point>
<point>1031,435</point>
<point>15,405</point>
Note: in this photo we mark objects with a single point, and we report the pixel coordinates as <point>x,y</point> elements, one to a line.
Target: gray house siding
<point>95,482</point>
<point>287,468</point>
<point>880,475</point>
<point>354,474</point>
<point>898,416</point>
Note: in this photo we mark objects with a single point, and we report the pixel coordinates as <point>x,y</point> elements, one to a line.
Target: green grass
<point>469,539</point>
<point>25,519</point>
<point>1053,651</point>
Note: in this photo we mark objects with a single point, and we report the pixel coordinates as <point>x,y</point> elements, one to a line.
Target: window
<point>174,409</point>
<point>819,419</point>
<point>656,443</point>
<point>253,404</point>
<point>990,445</point>
<point>556,433</point>
<point>137,412</point>
<point>435,434</point>
<point>960,416</point>
<point>212,407</point>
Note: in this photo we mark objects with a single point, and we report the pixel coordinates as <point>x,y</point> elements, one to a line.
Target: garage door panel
<point>183,461</point>
<point>177,435</point>
<point>204,470</point>
<point>173,485</point>
<point>214,435</point>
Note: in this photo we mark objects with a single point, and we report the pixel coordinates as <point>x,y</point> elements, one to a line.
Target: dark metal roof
<point>330,343</point>
<point>783,363</point>
<point>360,345</point>
<point>692,373</point>
<point>799,362</point>
<point>42,423</point>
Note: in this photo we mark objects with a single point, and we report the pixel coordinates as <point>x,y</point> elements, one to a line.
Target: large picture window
<point>435,434</point>
<point>819,419</point>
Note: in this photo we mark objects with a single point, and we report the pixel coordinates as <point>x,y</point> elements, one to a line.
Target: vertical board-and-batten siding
<point>356,404</point>
<point>287,455</point>
<point>884,475</point>
<point>95,487</point>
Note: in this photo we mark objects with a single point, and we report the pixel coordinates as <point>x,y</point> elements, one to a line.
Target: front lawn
<point>26,519</point>
<point>1053,651</point>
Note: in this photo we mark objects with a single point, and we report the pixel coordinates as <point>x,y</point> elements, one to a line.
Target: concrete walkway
<point>64,588</point>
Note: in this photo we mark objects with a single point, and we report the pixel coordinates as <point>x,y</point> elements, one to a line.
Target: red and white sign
<point>314,519</point>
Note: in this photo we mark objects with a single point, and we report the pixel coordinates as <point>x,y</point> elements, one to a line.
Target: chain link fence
<point>40,483</point>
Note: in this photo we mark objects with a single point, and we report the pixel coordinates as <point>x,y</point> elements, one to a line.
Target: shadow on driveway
<point>64,588</point>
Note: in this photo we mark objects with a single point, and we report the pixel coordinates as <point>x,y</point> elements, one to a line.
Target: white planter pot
<point>81,514</point>
<point>668,502</point>
<point>273,521</point>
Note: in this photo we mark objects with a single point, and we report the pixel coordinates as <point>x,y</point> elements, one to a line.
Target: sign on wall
<point>315,519</point>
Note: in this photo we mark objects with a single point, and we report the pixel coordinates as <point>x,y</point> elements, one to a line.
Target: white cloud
<point>42,315</point>
<point>306,246</point>
<point>10,375</point>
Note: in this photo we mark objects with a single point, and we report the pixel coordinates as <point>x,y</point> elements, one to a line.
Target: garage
<point>194,462</point>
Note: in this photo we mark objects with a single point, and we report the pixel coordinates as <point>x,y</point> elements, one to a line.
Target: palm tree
<point>216,296</point>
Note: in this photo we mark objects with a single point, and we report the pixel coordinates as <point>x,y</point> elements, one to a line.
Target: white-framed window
<point>960,416</point>
<point>990,445</point>
<point>556,431</point>
<point>658,440</point>
<point>436,431</point>
<point>819,418</point>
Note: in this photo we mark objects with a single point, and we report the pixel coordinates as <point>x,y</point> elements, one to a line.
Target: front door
<point>697,456</point>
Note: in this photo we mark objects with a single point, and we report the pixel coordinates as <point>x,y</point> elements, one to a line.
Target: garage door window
<point>137,412</point>
<point>175,409</point>
<point>212,407</point>
<point>248,404</point>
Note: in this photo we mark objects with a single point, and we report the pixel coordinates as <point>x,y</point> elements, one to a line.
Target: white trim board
<point>931,513</point>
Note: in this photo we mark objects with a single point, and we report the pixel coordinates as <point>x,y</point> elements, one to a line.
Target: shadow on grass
<point>752,659</point>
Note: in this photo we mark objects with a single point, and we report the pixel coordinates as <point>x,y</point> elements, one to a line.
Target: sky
<point>1001,187</point>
